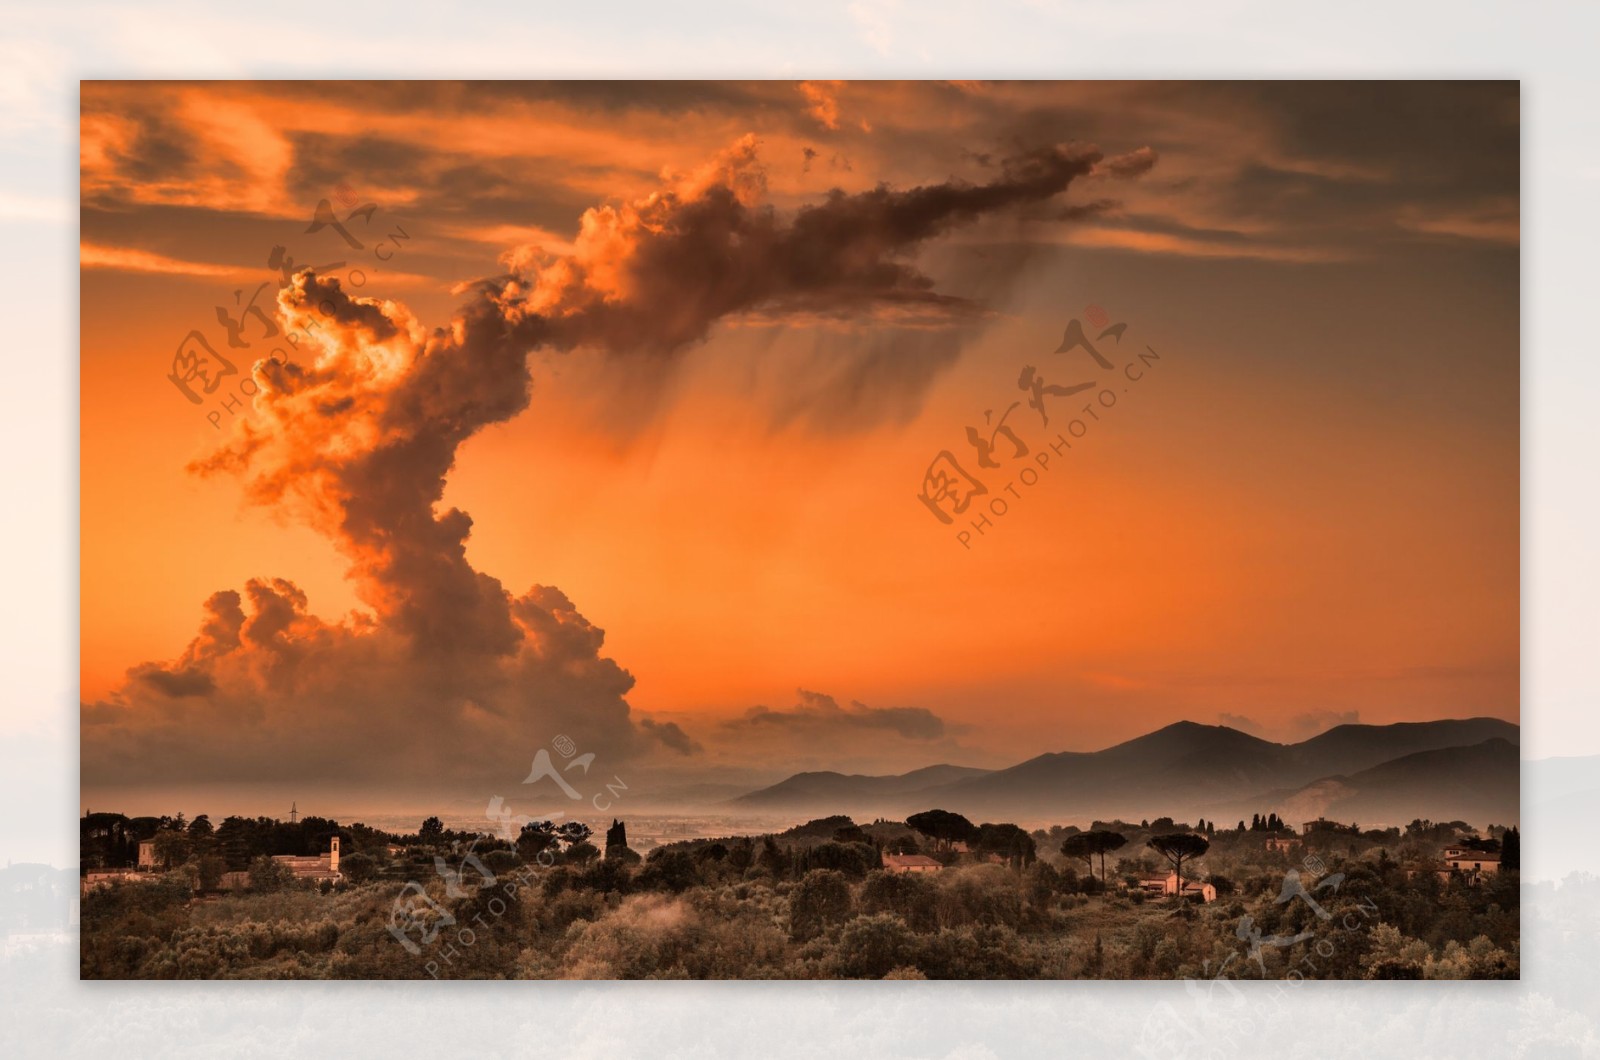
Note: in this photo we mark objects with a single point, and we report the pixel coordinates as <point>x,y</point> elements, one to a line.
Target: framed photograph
<point>800,530</point>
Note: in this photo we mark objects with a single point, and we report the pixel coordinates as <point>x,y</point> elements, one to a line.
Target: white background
<point>1553,1012</point>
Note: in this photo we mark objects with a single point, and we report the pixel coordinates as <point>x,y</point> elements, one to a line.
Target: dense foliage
<point>812,903</point>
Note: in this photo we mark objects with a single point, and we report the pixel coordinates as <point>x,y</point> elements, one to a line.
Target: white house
<point>317,867</point>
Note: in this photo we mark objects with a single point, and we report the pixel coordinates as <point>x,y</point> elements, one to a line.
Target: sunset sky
<point>683,353</point>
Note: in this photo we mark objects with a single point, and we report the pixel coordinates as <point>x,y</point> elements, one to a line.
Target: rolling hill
<point>1478,784</point>
<point>804,790</point>
<point>1440,769</point>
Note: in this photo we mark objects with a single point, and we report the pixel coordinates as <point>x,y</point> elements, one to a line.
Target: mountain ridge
<point>1188,767</point>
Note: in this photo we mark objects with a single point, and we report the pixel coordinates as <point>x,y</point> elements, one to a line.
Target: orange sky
<point>1305,512</point>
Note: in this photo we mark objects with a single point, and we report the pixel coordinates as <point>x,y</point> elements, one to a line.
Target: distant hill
<point>1147,776</point>
<point>1188,770</point>
<point>804,790</point>
<point>1477,784</point>
<point>1352,748</point>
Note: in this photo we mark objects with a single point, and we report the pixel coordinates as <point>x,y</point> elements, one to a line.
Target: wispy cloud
<point>1164,243</point>
<point>1497,221</point>
<point>820,719</point>
<point>132,259</point>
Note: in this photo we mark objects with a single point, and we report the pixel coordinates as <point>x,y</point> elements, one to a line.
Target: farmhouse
<point>1322,824</point>
<point>1168,885</point>
<point>910,863</point>
<point>1470,863</point>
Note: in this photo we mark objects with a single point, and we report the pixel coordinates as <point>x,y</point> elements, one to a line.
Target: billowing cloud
<point>671,735</point>
<point>447,674</point>
<point>653,275</point>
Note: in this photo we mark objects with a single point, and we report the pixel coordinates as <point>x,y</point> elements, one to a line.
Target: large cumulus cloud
<point>447,673</point>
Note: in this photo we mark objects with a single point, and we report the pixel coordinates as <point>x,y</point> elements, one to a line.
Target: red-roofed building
<point>910,863</point>
<point>1470,863</point>
<point>1168,884</point>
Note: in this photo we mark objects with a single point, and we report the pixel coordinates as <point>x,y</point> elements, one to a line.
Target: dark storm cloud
<point>445,188</point>
<point>655,275</point>
<point>1457,137</point>
<point>818,718</point>
<point>185,682</point>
